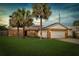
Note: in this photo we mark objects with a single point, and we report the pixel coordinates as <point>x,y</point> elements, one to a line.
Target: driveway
<point>71,40</point>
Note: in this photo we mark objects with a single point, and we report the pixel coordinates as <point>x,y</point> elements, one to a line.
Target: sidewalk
<point>72,40</point>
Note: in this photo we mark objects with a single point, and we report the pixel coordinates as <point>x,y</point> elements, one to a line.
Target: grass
<point>12,46</point>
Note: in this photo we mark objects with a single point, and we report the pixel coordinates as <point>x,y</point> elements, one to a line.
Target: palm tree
<point>41,11</point>
<point>21,18</point>
<point>26,19</point>
<point>15,21</point>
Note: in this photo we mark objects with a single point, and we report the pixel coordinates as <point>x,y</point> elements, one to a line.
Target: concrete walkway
<point>71,40</point>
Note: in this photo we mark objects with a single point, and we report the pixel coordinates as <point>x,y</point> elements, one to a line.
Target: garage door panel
<point>58,34</point>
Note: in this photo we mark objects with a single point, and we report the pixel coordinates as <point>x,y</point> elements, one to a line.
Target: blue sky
<point>68,12</point>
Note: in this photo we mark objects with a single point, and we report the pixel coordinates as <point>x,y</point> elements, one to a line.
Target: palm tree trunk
<point>40,28</point>
<point>23,31</point>
<point>18,31</point>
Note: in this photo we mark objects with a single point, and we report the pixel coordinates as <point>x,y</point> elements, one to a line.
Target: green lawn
<point>11,46</point>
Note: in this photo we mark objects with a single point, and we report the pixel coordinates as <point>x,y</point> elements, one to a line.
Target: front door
<point>25,33</point>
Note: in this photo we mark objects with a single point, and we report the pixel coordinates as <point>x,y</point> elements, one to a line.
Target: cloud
<point>4,20</point>
<point>37,21</point>
<point>1,20</point>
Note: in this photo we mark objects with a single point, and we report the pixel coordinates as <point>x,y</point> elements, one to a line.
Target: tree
<point>21,18</point>
<point>41,11</point>
<point>3,30</point>
<point>26,19</point>
<point>3,27</point>
<point>15,20</point>
<point>76,23</point>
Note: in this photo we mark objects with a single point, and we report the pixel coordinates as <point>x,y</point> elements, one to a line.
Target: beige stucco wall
<point>70,33</point>
<point>44,33</point>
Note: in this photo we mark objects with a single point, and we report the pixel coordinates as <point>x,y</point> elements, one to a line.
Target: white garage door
<point>57,34</point>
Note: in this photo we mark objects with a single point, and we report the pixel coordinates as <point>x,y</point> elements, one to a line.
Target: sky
<point>69,12</point>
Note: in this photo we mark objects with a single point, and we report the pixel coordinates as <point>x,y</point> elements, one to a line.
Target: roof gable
<point>57,26</point>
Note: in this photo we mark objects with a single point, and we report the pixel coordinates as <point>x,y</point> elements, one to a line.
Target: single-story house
<point>29,31</point>
<point>55,30</point>
<point>32,31</point>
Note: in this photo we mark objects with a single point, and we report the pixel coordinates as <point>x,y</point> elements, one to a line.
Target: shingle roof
<point>33,28</point>
<point>55,24</point>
